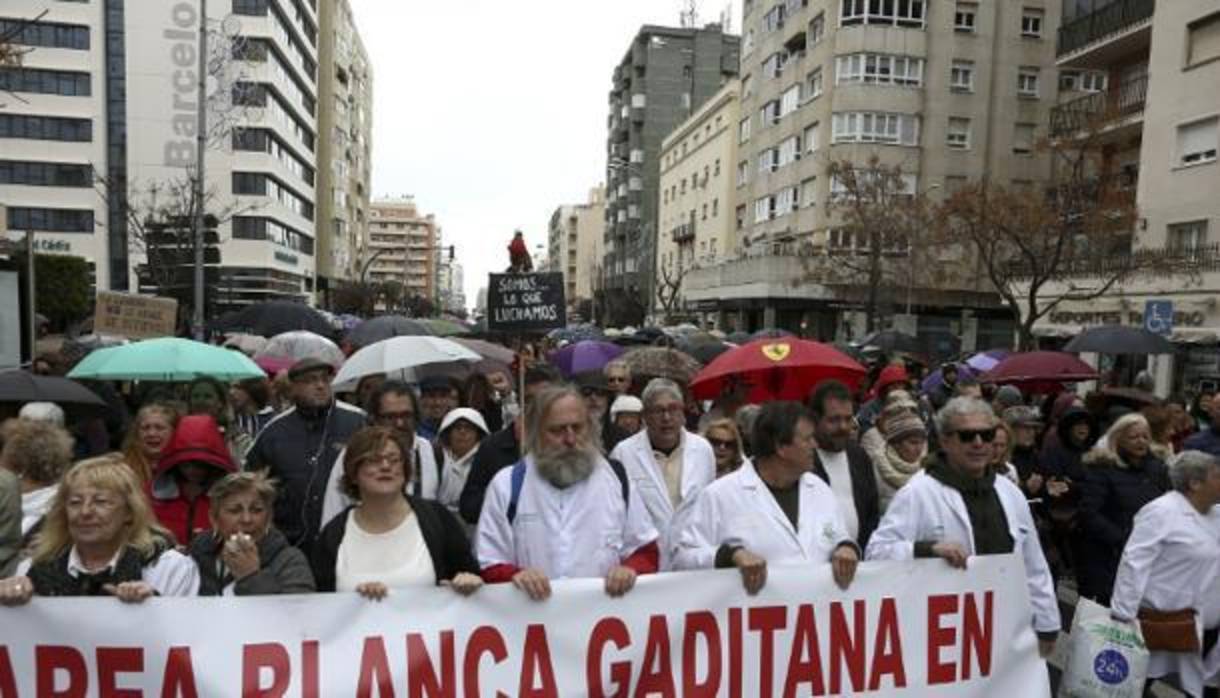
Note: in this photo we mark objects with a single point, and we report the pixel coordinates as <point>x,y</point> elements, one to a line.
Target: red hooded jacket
<point>891,374</point>
<point>196,440</point>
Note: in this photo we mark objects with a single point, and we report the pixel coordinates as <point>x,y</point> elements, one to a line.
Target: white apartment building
<point>575,238</point>
<point>948,90</point>
<point>698,201</point>
<point>402,246</point>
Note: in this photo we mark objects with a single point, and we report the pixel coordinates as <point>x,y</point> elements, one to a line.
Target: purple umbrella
<point>984,361</point>
<point>589,355</point>
<point>934,379</point>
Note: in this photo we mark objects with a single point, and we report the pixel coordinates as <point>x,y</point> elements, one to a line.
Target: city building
<point>403,246</point>
<point>948,91</point>
<point>1136,68</point>
<point>55,129</point>
<point>452,296</point>
<point>665,75</point>
<point>697,197</point>
<point>576,232</point>
<point>345,124</point>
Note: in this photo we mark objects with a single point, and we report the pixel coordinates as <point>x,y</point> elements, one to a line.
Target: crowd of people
<point>274,487</point>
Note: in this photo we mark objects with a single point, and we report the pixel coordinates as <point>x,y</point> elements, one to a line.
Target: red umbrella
<point>776,368</point>
<point>1040,371</point>
<point>274,364</point>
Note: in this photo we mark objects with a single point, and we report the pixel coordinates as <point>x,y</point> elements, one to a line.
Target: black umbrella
<point>384,327</point>
<point>892,341</point>
<point>20,387</point>
<point>1119,339</point>
<point>738,337</point>
<point>275,317</point>
<point>705,351</point>
<point>771,333</point>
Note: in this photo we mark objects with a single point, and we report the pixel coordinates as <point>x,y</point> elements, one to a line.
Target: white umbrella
<point>401,356</point>
<point>302,344</point>
<point>249,344</point>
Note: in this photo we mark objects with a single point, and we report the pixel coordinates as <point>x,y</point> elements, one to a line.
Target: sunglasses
<point>723,443</point>
<point>969,435</point>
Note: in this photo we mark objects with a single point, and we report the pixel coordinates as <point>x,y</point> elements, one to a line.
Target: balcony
<point>1111,110</point>
<point>1157,262</point>
<point>1117,29</point>
<point>683,233</point>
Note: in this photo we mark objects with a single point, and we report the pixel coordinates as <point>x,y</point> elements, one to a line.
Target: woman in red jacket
<point>195,458</point>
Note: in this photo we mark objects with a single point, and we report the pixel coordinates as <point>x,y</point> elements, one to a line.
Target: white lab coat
<point>1171,562</point>
<point>739,510</point>
<point>698,470</point>
<point>334,502</point>
<point>926,509</point>
<point>583,530</point>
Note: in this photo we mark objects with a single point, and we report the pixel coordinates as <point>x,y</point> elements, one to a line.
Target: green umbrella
<point>166,359</point>
<point>443,328</point>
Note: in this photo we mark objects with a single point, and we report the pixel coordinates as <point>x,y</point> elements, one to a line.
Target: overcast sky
<point>493,113</point>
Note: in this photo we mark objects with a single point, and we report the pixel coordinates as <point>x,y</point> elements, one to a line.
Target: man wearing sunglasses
<point>956,507</point>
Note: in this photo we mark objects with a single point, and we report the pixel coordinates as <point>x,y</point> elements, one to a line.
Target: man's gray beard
<point>566,467</point>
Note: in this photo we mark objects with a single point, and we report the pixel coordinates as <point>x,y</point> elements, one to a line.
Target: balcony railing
<point>684,232</point>
<point>1097,109</point>
<point>1105,21</point>
<point>1160,262</point>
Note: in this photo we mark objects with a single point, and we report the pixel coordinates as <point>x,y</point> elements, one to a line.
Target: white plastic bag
<point>1106,658</point>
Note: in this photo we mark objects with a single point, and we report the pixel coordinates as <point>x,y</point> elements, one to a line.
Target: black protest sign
<point>526,302</point>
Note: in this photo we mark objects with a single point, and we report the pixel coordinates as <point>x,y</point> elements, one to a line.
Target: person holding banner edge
<point>564,511</point>
<point>956,507</point>
<point>772,511</point>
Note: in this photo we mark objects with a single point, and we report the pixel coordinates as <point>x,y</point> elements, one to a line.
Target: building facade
<point>402,247</point>
<point>575,248</point>
<point>697,198</point>
<point>1138,66</point>
<point>345,124</point>
<point>452,298</point>
<point>947,91</point>
<point>664,77</point>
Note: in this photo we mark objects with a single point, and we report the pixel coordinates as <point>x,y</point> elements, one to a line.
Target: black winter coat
<point>496,452</point>
<point>282,568</point>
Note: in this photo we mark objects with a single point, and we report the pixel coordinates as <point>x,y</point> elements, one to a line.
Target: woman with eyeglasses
<point>389,539</point>
<point>726,445</point>
<point>1122,475</point>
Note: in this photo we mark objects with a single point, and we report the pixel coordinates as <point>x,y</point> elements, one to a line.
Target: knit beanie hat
<point>1008,396</point>
<point>904,424</point>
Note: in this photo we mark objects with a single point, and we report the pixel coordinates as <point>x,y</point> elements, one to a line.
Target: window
<point>839,189</point>
<point>814,84</point>
<point>770,113</point>
<point>959,134</point>
<point>740,214</point>
<point>68,83</point>
<point>51,220</point>
<point>45,34</point>
<point>747,43</point>
<point>743,130</point>
<point>45,128</point>
<point>963,17</point>
<point>902,13</point>
<point>817,28</point>
<point>715,207</point>
<point>811,137</point>
<point>961,76</point>
<point>808,187</point>
<point>1023,139</point>
<point>743,173</point>
<point>1188,236</point>
<point>774,19</point>
<point>789,151</point>
<point>704,214</point>
<point>716,172</point>
<point>789,101</point>
<point>773,66</point>
<point>879,69</point>
<point>875,127</point>
<point>1197,142</point>
<point>1031,22</point>
<point>45,174</point>
<point>1203,39</point>
<point>747,86</point>
<point>768,160</point>
<point>787,200</point>
<point>1027,82</point>
<point>1085,81</point>
<point>764,209</point>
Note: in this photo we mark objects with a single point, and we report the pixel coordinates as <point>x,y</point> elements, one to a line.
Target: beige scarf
<point>896,471</point>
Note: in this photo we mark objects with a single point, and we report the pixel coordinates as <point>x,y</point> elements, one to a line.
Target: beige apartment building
<point>1151,67</point>
<point>402,246</point>
<point>575,247</point>
<point>697,199</point>
<point>948,90</point>
<point>345,148</point>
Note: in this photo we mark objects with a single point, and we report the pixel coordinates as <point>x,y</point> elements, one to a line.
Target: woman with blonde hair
<point>100,538</point>
<point>726,444</point>
<point>147,437</point>
<point>1120,478</point>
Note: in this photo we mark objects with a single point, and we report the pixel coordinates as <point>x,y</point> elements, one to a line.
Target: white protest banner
<point>902,629</point>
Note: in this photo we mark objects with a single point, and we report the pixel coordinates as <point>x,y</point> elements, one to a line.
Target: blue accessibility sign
<point>1158,317</point>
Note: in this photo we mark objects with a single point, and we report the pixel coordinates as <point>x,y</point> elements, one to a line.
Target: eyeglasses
<point>723,443</point>
<point>970,435</point>
<point>395,417</point>
<point>391,461</point>
<point>671,411</point>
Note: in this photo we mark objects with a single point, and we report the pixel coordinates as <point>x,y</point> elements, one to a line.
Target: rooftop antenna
<point>690,14</point>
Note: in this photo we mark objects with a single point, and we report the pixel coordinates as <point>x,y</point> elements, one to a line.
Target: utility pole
<point>32,320</point>
<point>200,147</point>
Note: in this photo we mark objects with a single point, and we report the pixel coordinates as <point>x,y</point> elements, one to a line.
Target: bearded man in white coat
<point>955,508</point>
<point>772,511</point>
<point>667,464</point>
<point>563,511</point>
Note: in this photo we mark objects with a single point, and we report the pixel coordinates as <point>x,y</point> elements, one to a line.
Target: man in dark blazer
<point>841,462</point>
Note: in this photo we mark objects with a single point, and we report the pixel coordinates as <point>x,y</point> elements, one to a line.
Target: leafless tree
<point>669,285</point>
<point>12,51</point>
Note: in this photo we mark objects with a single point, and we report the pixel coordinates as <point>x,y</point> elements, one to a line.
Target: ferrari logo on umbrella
<point>777,352</point>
